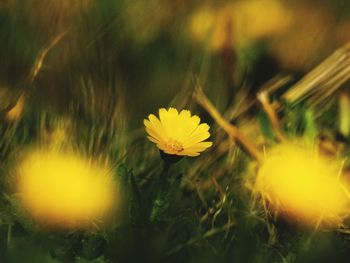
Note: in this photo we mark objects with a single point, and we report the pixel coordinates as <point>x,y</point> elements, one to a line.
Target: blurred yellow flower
<point>300,183</point>
<point>260,18</point>
<point>238,23</point>
<point>64,190</point>
<point>212,27</point>
<point>144,20</point>
<point>178,133</point>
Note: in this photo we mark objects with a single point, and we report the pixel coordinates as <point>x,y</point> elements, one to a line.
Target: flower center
<point>174,145</point>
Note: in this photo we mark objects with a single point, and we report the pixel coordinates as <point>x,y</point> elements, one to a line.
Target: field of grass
<point>79,78</point>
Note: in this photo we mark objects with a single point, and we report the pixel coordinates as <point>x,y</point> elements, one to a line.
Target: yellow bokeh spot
<point>65,190</point>
<point>239,23</point>
<point>213,26</point>
<point>301,184</point>
<point>260,18</point>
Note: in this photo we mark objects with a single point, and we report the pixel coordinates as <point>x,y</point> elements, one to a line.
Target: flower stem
<point>161,202</point>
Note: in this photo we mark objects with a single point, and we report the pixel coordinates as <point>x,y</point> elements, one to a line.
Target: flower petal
<point>152,139</point>
<point>173,111</point>
<point>185,114</point>
<point>157,127</point>
<point>154,134</point>
<point>187,125</point>
<point>170,122</point>
<point>188,153</point>
<point>200,147</point>
<point>162,147</point>
<point>165,149</point>
<point>181,128</point>
<point>200,134</point>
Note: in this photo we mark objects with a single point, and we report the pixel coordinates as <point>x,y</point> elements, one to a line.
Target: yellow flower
<point>178,133</point>
<point>300,183</point>
<point>63,190</point>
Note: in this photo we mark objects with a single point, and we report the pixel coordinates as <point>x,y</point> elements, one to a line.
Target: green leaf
<point>265,126</point>
<point>92,246</point>
<point>310,131</point>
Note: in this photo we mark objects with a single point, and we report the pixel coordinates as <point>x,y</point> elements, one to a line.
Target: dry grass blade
<point>41,57</point>
<point>20,100</point>
<point>271,114</point>
<point>208,234</point>
<point>324,80</point>
<point>230,129</point>
<point>243,102</point>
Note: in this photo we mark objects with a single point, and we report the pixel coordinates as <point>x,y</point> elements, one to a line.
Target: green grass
<point>97,85</point>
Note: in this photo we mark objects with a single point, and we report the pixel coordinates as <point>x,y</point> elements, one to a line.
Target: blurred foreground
<point>78,78</point>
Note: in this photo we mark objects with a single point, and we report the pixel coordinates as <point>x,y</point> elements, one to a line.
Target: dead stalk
<point>271,114</point>
<point>230,129</point>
